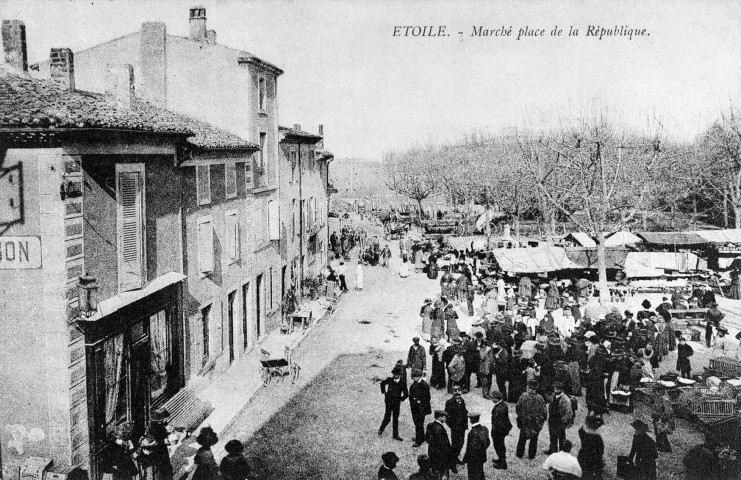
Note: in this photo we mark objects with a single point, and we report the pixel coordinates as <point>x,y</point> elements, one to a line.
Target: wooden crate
<point>715,407</point>
<point>730,367</point>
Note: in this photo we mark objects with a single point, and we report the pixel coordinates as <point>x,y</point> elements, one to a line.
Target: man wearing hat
<point>439,448</point>
<point>500,428</point>
<point>419,402</point>
<point>457,420</point>
<point>386,472</point>
<point>531,415</point>
<point>476,445</point>
<point>472,357</point>
<point>417,357</point>
<point>486,367</point>
<point>643,452</point>
<point>560,417</point>
<point>712,319</point>
<point>395,392</point>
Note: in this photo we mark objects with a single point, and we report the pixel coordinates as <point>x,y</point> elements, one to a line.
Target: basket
<point>728,367</point>
<point>722,407</point>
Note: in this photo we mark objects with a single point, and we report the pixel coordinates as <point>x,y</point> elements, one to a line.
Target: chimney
<point>14,44</point>
<point>120,83</point>
<point>198,24</point>
<point>211,37</point>
<point>62,67</point>
<point>297,126</point>
<point>320,145</point>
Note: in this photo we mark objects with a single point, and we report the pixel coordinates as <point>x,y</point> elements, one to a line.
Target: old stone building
<point>304,199</point>
<point>108,236</point>
<point>237,91</point>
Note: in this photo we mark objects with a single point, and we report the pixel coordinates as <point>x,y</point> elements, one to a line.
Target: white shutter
<point>232,235</point>
<point>130,222</point>
<point>230,173</point>
<point>274,220</point>
<point>203,184</point>
<point>248,172</point>
<point>205,245</point>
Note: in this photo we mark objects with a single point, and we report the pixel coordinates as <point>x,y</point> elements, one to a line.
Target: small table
<point>304,316</point>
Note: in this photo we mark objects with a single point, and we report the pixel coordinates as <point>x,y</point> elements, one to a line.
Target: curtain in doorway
<point>160,353</point>
<point>113,367</point>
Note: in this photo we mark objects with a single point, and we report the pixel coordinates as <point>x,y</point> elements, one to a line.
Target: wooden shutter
<point>230,181</point>
<point>130,198</point>
<point>205,246</point>
<point>248,172</point>
<point>232,235</point>
<point>274,220</point>
<point>203,184</point>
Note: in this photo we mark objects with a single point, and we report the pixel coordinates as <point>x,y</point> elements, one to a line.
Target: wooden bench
<point>187,411</point>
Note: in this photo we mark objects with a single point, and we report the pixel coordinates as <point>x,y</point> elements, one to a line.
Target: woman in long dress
<point>359,276</point>
<point>404,269</point>
<point>426,313</point>
<point>553,300</point>
<point>432,267</point>
<point>437,379</point>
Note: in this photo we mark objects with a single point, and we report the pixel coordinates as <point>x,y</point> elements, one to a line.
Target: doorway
<point>230,317</point>
<point>246,312</point>
<point>258,306</point>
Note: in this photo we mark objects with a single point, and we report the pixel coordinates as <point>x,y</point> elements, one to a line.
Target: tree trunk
<point>725,209</point>
<point>737,216</point>
<point>419,202</point>
<point>604,293</point>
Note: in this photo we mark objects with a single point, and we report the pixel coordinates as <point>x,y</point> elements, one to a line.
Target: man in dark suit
<point>419,401</point>
<point>417,357</point>
<point>500,428</point>
<point>478,442</point>
<point>395,392</point>
<point>438,446</point>
<point>457,420</point>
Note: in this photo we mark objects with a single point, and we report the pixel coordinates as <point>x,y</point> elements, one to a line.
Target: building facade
<point>236,91</point>
<point>304,198</point>
<point>104,251</point>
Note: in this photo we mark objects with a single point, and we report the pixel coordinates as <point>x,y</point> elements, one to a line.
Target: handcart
<point>278,367</point>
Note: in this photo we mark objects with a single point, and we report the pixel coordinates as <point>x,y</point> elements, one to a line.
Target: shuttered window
<point>130,223</point>
<point>203,184</point>
<point>273,220</point>
<point>248,173</point>
<point>232,235</point>
<point>230,179</point>
<point>205,246</point>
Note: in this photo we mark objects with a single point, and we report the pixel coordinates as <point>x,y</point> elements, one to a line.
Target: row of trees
<point>591,173</point>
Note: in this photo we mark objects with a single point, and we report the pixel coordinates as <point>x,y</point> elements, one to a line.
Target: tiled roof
<point>324,154</point>
<point>211,137</point>
<point>292,132</point>
<point>27,103</point>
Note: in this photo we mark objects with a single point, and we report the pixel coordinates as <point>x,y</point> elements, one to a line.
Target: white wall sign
<point>20,253</point>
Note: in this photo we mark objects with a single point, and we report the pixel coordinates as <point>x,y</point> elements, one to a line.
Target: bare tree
<point>596,175</point>
<point>409,174</point>
<point>718,162</point>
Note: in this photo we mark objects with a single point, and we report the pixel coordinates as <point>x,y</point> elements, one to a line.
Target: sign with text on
<point>20,253</point>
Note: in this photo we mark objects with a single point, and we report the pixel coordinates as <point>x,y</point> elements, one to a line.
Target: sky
<point>376,93</point>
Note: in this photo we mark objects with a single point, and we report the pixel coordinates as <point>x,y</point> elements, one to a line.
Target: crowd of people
<point>148,457</point>
<point>538,348</point>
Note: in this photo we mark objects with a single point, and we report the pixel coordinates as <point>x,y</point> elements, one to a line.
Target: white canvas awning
<point>533,260</point>
<point>654,264</point>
